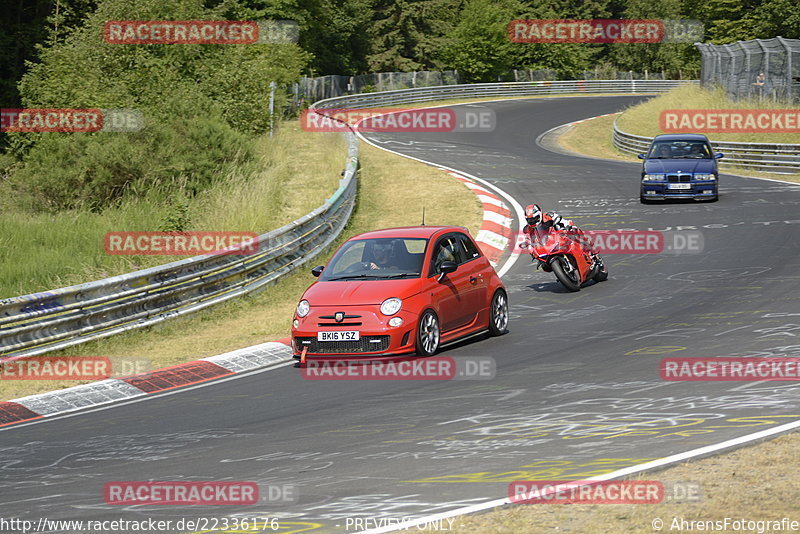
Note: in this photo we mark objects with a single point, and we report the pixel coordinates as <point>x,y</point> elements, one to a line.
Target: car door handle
<point>473,279</point>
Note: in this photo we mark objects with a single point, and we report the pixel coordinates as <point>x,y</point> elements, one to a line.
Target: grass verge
<point>392,192</point>
<point>753,483</point>
<point>642,119</point>
<point>41,251</point>
<point>592,138</point>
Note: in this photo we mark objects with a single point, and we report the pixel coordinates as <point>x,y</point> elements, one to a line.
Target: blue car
<point>680,166</point>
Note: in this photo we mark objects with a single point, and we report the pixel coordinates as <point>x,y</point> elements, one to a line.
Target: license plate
<point>339,335</point>
<point>679,186</point>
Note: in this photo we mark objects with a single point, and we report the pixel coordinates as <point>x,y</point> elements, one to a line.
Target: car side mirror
<point>640,156</point>
<point>316,271</point>
<point>447,267</point>
<point>719,155</point>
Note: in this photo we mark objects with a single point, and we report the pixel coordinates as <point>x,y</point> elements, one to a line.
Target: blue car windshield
<point>680,150</point>
<point>377,259</point>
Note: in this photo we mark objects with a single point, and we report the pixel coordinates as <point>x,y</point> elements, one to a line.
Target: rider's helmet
<point>533,214</point>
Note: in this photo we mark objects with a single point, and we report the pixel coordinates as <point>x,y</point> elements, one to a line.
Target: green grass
<point>41,251</point>
<point>642,119</point>
<point>392,191</point>
<point>751,483</point>
<point>593,138</point>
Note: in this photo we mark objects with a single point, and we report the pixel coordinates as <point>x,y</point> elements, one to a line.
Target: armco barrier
<point>499,90</point>
<point>41,322</point>
<point>771,157</point>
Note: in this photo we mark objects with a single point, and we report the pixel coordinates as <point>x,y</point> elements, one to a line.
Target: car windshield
<point>680,150</point>
<point>377,259</point>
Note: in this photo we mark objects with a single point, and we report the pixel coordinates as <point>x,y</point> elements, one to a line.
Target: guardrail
<point>770,157</point>
<point>41,322</point>
<point>495,90</point>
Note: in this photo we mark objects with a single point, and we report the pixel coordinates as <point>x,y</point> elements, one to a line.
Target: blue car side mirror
<point>640,156</point>
<point>719,155</point>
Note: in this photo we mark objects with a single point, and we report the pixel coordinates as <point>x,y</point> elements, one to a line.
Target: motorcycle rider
<point>539,224</point>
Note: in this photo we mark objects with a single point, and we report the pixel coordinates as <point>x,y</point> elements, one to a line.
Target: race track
<point>577,390</point>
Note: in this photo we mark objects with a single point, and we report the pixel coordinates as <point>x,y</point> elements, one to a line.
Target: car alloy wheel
<point>498,322</point>
<point>428,334</point>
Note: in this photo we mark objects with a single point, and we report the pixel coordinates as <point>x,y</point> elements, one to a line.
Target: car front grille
<point>365,344</point>
<point>676,178</point>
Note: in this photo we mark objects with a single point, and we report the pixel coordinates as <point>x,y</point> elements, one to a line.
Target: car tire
<point>498,313</point>
<point>428,334</point>
<point>565,279</point>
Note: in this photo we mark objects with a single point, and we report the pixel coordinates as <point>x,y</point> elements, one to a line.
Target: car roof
<point>409,231</point>
<point>681,137</point>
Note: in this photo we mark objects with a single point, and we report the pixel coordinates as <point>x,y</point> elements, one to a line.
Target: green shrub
<point>203,105</point>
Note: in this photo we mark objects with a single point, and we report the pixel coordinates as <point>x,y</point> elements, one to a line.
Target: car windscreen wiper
<point>401,275</point>
<point>353,276</point>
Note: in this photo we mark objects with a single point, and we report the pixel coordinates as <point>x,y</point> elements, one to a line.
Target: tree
<point>671,58</point>
<point>479,47</point>
<point>407,35</point>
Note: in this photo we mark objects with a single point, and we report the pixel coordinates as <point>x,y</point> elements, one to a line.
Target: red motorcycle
<point>567,254</point>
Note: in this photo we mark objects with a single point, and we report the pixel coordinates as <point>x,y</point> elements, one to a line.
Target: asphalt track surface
<point>576,393</point>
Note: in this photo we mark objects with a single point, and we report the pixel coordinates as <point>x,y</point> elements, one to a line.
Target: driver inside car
<point>664,151</point>
<point>382,256</point>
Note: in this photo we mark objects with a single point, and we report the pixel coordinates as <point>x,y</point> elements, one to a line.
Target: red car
<point>399,291</point>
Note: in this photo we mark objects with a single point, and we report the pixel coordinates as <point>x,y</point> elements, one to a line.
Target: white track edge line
<point>668,460</point>
<point>615,474</point>
<point>517,208</point>
<point>146,397</point>
<point>578,155</point>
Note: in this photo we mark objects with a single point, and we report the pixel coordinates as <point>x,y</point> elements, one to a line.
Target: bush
<point>203,105</point>
<point>97,170</point>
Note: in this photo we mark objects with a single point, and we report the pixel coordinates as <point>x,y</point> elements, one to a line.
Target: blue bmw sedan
<point>680,166</point>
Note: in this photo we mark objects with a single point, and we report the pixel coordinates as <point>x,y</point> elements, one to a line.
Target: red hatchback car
<point>398,291</point>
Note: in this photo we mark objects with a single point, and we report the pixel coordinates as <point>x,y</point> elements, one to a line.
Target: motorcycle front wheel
<point>566,273</point>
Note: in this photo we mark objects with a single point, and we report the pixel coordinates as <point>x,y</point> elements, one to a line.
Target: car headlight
<point>391,306</point>
<point>303,308</point>
<point>704,177</point>
<point>651,177</point>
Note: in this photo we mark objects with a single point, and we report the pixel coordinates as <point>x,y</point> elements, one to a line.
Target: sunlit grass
<point>392,192</point>
<point>642,119</point>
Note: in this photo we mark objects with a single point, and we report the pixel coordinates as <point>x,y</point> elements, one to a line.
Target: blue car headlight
<point>653,177</point>
<point>704,177</point>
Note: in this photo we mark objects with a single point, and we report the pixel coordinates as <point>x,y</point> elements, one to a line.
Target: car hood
<point>360,292</point>
<point>668,166</point>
